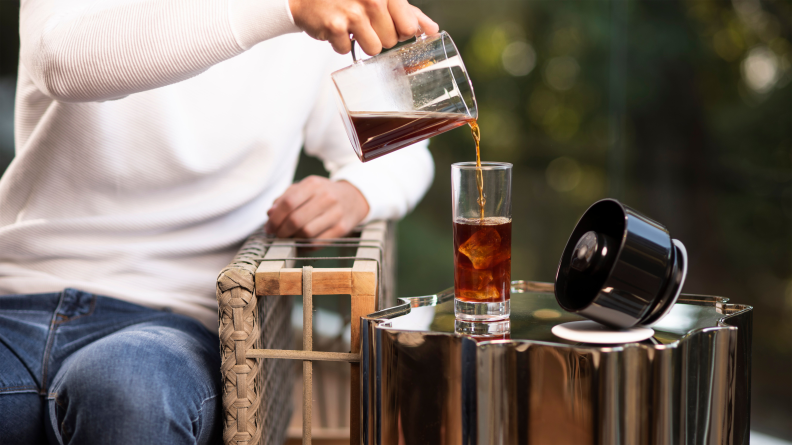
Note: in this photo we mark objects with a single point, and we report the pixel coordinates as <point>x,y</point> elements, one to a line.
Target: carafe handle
<point>354,59</point>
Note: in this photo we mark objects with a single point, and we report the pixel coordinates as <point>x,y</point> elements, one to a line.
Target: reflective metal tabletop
<point>422,383</point>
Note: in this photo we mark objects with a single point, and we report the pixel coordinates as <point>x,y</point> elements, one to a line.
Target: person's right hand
<point>375,24</point>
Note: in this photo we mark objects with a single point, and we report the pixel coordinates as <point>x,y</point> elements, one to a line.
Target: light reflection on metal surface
<point>689,384</point>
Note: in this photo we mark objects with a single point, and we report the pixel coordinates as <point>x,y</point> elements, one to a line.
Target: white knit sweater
<point>153,136</point>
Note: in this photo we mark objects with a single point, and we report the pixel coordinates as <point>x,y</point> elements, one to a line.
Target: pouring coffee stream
<point>411,93</point>
<point>474,129</point>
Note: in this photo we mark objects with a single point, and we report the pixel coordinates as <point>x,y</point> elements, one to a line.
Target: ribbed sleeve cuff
<point>254,21</point>
<point>379,189</point>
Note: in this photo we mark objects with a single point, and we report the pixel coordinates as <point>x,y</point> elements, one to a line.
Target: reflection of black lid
<point>619,267</point>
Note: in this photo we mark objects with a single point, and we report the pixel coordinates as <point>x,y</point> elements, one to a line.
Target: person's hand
<point>375,24</point>
<point>317,207</point>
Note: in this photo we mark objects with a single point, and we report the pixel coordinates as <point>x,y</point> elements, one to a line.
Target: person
<point>153,137</point>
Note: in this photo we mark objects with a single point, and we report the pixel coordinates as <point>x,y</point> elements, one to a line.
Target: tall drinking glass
<point>404,95</point>
<point>482,241</point>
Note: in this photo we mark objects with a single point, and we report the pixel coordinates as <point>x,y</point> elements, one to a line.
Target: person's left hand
<point>317,207</point>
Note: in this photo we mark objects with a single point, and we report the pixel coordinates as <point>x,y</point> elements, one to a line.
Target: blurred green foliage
<point>682,109</point>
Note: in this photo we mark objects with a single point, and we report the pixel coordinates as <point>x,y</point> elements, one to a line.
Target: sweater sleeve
<point>393,184</point>
<point>88,50</point>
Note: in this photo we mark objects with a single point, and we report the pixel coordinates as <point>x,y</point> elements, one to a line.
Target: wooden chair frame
<point>256,396</point>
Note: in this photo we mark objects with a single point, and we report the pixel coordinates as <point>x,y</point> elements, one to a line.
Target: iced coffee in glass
<point>481,199</point>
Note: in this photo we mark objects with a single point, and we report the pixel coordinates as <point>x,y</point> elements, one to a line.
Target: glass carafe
<point>404,95</point>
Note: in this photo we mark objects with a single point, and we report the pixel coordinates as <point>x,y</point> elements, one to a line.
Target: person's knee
<point>140,378</point>
<point>153,360</point>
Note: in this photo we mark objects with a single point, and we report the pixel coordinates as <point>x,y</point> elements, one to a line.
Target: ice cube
<point>472,279</point>
<point>481,247</point>
<point>501,272</point>
<point>501,256</point>
<point>490,293</point>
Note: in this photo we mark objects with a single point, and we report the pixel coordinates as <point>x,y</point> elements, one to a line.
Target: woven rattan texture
<point>250,418</point>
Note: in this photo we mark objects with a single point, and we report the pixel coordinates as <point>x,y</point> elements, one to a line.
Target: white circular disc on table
<point>593,332</point>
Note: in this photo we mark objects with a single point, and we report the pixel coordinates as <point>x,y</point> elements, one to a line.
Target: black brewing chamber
<point>620,268</point>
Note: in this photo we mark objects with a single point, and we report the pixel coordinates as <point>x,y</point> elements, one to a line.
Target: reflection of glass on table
<point>484,330</point>
<point>482,240</point>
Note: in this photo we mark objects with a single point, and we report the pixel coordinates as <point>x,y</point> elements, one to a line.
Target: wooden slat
<point>268,272</point>
<point>304,355</point>
<point>364,278</point>
<point>307,281</point>
<point>361,305</point>
<point>387,297</point>
<point>321,435</point>
<point>328,281</point>
<point>364,273</point>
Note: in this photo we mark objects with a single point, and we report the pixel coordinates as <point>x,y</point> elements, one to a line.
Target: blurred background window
<point>682,109</point>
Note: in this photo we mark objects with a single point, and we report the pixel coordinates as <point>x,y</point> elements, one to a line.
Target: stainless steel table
<point>423,384</point>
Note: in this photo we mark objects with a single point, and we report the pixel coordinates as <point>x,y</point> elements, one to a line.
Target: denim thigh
<point>83,365</point>
<point>24,327</point>
<point>153,382</point>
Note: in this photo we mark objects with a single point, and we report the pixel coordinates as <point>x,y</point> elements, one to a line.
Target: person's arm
<point>385,188</point>
<point>81,50</point>
<point>88,50</point>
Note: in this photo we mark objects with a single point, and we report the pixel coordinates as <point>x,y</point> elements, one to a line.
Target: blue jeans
<point>77,368</point>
